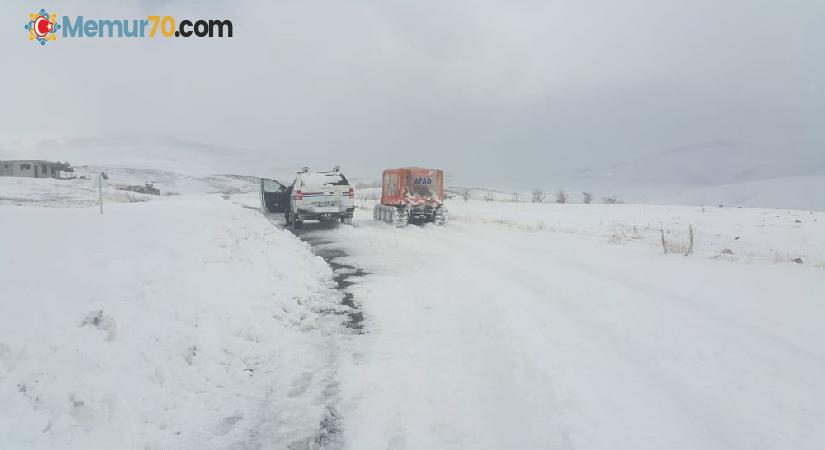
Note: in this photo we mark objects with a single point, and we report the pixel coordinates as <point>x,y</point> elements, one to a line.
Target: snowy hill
<point>156,154</point>
<point>791,192</point>
<point>711,163</point>
<point>711,173</point>
<point>192,159</point>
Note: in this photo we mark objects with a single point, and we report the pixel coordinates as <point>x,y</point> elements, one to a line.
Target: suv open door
<point>274,196</point>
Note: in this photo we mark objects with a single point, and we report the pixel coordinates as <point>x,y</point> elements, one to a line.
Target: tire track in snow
<point>330,433</point>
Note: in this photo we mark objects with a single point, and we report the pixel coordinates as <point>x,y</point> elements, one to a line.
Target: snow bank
<point>188,322</point>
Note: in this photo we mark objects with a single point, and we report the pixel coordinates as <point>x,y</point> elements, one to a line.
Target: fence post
<point>100,190</point>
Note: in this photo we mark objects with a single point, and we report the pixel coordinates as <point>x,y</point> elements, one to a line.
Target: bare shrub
<point>786,257</point>
<point>561,196</point>
<point>467,195</point>
<point>624,233</point>
<point>538,196</point>
<point>488,197</point>
<point>587,197</point>
<point>675,243</point>
<point>726,254</point>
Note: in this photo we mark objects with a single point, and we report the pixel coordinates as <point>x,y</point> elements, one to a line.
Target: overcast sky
<point>495,92</point>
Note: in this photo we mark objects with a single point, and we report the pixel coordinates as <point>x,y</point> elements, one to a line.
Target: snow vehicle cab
<point>412,194</point>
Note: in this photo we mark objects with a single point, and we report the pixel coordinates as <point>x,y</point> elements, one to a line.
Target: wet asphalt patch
<point>343,274</point>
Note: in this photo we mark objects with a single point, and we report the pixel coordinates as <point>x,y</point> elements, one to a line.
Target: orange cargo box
<point>412,186</point>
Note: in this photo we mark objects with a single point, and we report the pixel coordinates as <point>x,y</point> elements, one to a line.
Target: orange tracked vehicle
<point>412,195</point>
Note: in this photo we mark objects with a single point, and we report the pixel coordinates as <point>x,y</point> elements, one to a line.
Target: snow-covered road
<point>486,336</point>
<point>196,322</point>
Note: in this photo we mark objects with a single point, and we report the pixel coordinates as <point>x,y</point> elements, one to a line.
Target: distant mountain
<point>704,164</point>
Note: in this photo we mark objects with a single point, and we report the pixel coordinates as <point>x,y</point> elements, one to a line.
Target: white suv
<point>325,196</point>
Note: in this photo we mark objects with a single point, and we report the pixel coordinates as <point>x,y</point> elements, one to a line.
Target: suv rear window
<point>323,179</point>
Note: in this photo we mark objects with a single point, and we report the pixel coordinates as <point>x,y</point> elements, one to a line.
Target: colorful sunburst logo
<point>42,26</point>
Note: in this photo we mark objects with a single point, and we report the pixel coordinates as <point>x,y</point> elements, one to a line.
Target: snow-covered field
<point>777,235</point>
<point>85,192</point>
<point>794,192</point>
<point>194,321</point>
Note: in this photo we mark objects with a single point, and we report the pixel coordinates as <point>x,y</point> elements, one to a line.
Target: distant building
<point>29,169</point>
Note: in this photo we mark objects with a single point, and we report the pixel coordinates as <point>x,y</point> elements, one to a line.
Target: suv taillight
<point>351,192</point>
<point>298,195</point>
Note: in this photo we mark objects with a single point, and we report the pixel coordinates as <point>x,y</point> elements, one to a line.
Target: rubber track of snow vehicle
<point>441,216</point>
<point>400,217</point>
<point>397,217</point>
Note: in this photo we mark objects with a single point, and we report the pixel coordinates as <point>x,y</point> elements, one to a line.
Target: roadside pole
<point>100,190</point>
